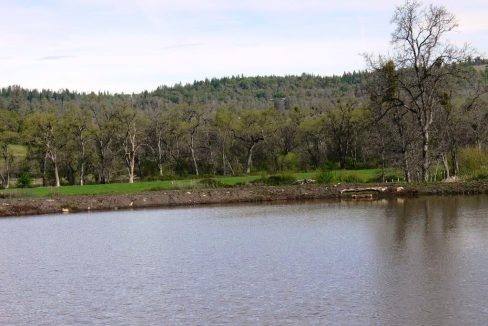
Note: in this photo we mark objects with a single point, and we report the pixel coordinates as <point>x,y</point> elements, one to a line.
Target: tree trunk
<point>406,167</point>
<point>56,173</point>
<point>383,164</point>
<point>130,160</point>
<point>4,181</point>
<point>7,180</point>
<point>44,171</point>
<point>425,155</point>
<point>82,163</point>
<point>82,174</point>
<point>249,158</point>
<point>7,173</point>
<point>139,168</point>
<point>230,167</point>
<point>70,175</point>
<point>192,150</point>
<point>160,157</point>
<point>102,156</point>
<point>132,165</point>
<point>446,166</point>
<point>224,170</point>
<point>101,171</point>
<point>434,177</point>
<point>102,178</point>
<point>455,161</point>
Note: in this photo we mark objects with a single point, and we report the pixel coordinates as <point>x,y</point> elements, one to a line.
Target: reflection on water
<point>401,261</point>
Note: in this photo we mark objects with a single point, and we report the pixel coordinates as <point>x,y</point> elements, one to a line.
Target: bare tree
<point>192,120</point>
<point>104,132</point>
<point>8,158</point>
<point>425,66</point>
<point>44,132</point>
<point>134,124</point>
<point>8,136</point>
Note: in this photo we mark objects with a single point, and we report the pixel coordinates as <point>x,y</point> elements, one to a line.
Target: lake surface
<point>405,261</point>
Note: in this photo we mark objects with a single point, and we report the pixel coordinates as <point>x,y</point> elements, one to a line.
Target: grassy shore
<point>338,185</point>
<point>17,206</point>
<point>365,176</point>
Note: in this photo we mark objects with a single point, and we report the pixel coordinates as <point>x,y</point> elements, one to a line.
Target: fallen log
<point>367,189</point>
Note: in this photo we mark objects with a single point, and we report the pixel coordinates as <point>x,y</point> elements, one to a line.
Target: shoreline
<point>192,197</point>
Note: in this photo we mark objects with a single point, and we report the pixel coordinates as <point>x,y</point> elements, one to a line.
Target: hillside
<point>241,92</point>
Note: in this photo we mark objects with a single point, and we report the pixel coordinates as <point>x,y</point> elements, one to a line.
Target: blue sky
<point>129,46</point>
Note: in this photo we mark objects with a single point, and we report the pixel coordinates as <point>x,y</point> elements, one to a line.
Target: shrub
<point>388,177</point>
<point>211,183</point>
<point>479,176</point>
<point>204,176</point>
<point>282,179</point>
<point>329,165</point>
<point>472,159</point>
<point>325,177</point>
<point>164,177</point>
<point>288,162</point>
<point>350,178</point>
<point>24,180</point>
<point>331,177</point>
<point>276,180</point>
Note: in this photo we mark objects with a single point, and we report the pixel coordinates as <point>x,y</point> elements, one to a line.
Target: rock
<point>451,179</point>
<point>304,182</point>
<point>363,197</point>
<point>364,189</point>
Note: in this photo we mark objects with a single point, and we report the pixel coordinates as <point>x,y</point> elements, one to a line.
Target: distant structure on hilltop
<point>281,103</point>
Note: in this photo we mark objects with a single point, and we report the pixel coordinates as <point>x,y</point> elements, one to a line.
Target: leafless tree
<point>425,65</point>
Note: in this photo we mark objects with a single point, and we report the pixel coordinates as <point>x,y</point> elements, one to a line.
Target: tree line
<point>414,110</point>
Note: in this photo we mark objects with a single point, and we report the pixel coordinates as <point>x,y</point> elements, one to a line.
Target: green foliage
<point>351,178</point>
<point>473,163</point>
<point>330,165</point>
<point>389,176</point>
<point>216,126</point>
<point>211,183</point>
<point>325,177</point>
<point>480,175</point>
<point>24,180</point>
<point>288,162</point>
<point>472,160</point>
<point>142,186</point>
<point>276,180</point>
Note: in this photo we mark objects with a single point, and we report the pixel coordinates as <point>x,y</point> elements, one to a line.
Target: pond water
<point>403,261</point>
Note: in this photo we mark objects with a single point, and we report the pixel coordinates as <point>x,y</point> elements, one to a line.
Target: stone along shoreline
<point>191,197</point>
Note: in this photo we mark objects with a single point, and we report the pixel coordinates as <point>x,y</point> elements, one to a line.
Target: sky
<point>131,46</point>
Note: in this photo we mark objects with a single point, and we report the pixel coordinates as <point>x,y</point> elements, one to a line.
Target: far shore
<point>190,197</point>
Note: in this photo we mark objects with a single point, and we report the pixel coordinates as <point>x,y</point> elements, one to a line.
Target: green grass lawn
<point>368,175</point>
